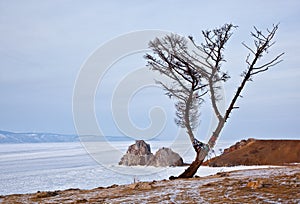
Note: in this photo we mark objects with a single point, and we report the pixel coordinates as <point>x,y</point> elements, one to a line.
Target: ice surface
<point>27,168</point>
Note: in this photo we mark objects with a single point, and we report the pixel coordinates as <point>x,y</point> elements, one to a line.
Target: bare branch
<point>259,71</point>
<point>248,48</point>
<point>262,43</point>
<point>271,63</point>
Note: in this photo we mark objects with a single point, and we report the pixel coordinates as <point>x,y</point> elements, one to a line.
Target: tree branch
<point>262,43</point>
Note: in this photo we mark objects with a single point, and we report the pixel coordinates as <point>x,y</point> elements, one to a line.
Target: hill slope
<point>259,152</point>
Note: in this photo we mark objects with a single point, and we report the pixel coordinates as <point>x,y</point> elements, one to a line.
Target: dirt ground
<point>270,185</point>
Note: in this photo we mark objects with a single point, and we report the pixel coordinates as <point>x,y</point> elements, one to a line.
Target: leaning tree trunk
<point>202,151</point>
<point>192,169</point>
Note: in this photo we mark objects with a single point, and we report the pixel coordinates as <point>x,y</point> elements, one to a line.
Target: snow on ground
<point>28,168</point>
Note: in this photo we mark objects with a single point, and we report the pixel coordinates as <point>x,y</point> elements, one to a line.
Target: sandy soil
<point>270,185</point>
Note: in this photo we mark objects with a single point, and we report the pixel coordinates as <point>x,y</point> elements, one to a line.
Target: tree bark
<point>191,171</point>
<point>187,116</point>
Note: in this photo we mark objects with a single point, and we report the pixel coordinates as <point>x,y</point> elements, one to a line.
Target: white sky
<point>44,44</point>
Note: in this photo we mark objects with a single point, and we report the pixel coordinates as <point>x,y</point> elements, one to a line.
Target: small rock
<point>140,186</point>
<point>82,200</point>
<point>145,186</point>
<point>257,184</point>
<point>113,186</point>
<point>132,186</point>
<point>223,174</point>
<point>46,194</point>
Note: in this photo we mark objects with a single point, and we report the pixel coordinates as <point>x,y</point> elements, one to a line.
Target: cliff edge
<point>259,152</point>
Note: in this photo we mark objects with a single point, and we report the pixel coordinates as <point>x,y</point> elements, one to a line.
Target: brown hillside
<point>259,152</point>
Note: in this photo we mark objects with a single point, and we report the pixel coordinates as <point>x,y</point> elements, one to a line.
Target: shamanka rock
<point>140,154</point>
<point>137,154</point>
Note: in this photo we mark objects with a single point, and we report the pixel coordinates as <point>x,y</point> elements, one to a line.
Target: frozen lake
<point>27,168</point>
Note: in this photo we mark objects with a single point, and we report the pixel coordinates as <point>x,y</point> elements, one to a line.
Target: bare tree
<point>195,71</point>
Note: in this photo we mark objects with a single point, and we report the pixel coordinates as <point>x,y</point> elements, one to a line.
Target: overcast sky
<point>45,43</point>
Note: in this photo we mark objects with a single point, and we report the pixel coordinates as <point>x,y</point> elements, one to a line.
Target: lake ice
<point>31,167</point>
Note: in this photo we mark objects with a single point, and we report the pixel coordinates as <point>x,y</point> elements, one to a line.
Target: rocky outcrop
<point>140,154</point>
<point>137,154</point>
<point>166,157</point>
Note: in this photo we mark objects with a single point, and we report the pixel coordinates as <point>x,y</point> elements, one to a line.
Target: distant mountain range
<point>30,137</point>
<point>11,137</point>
